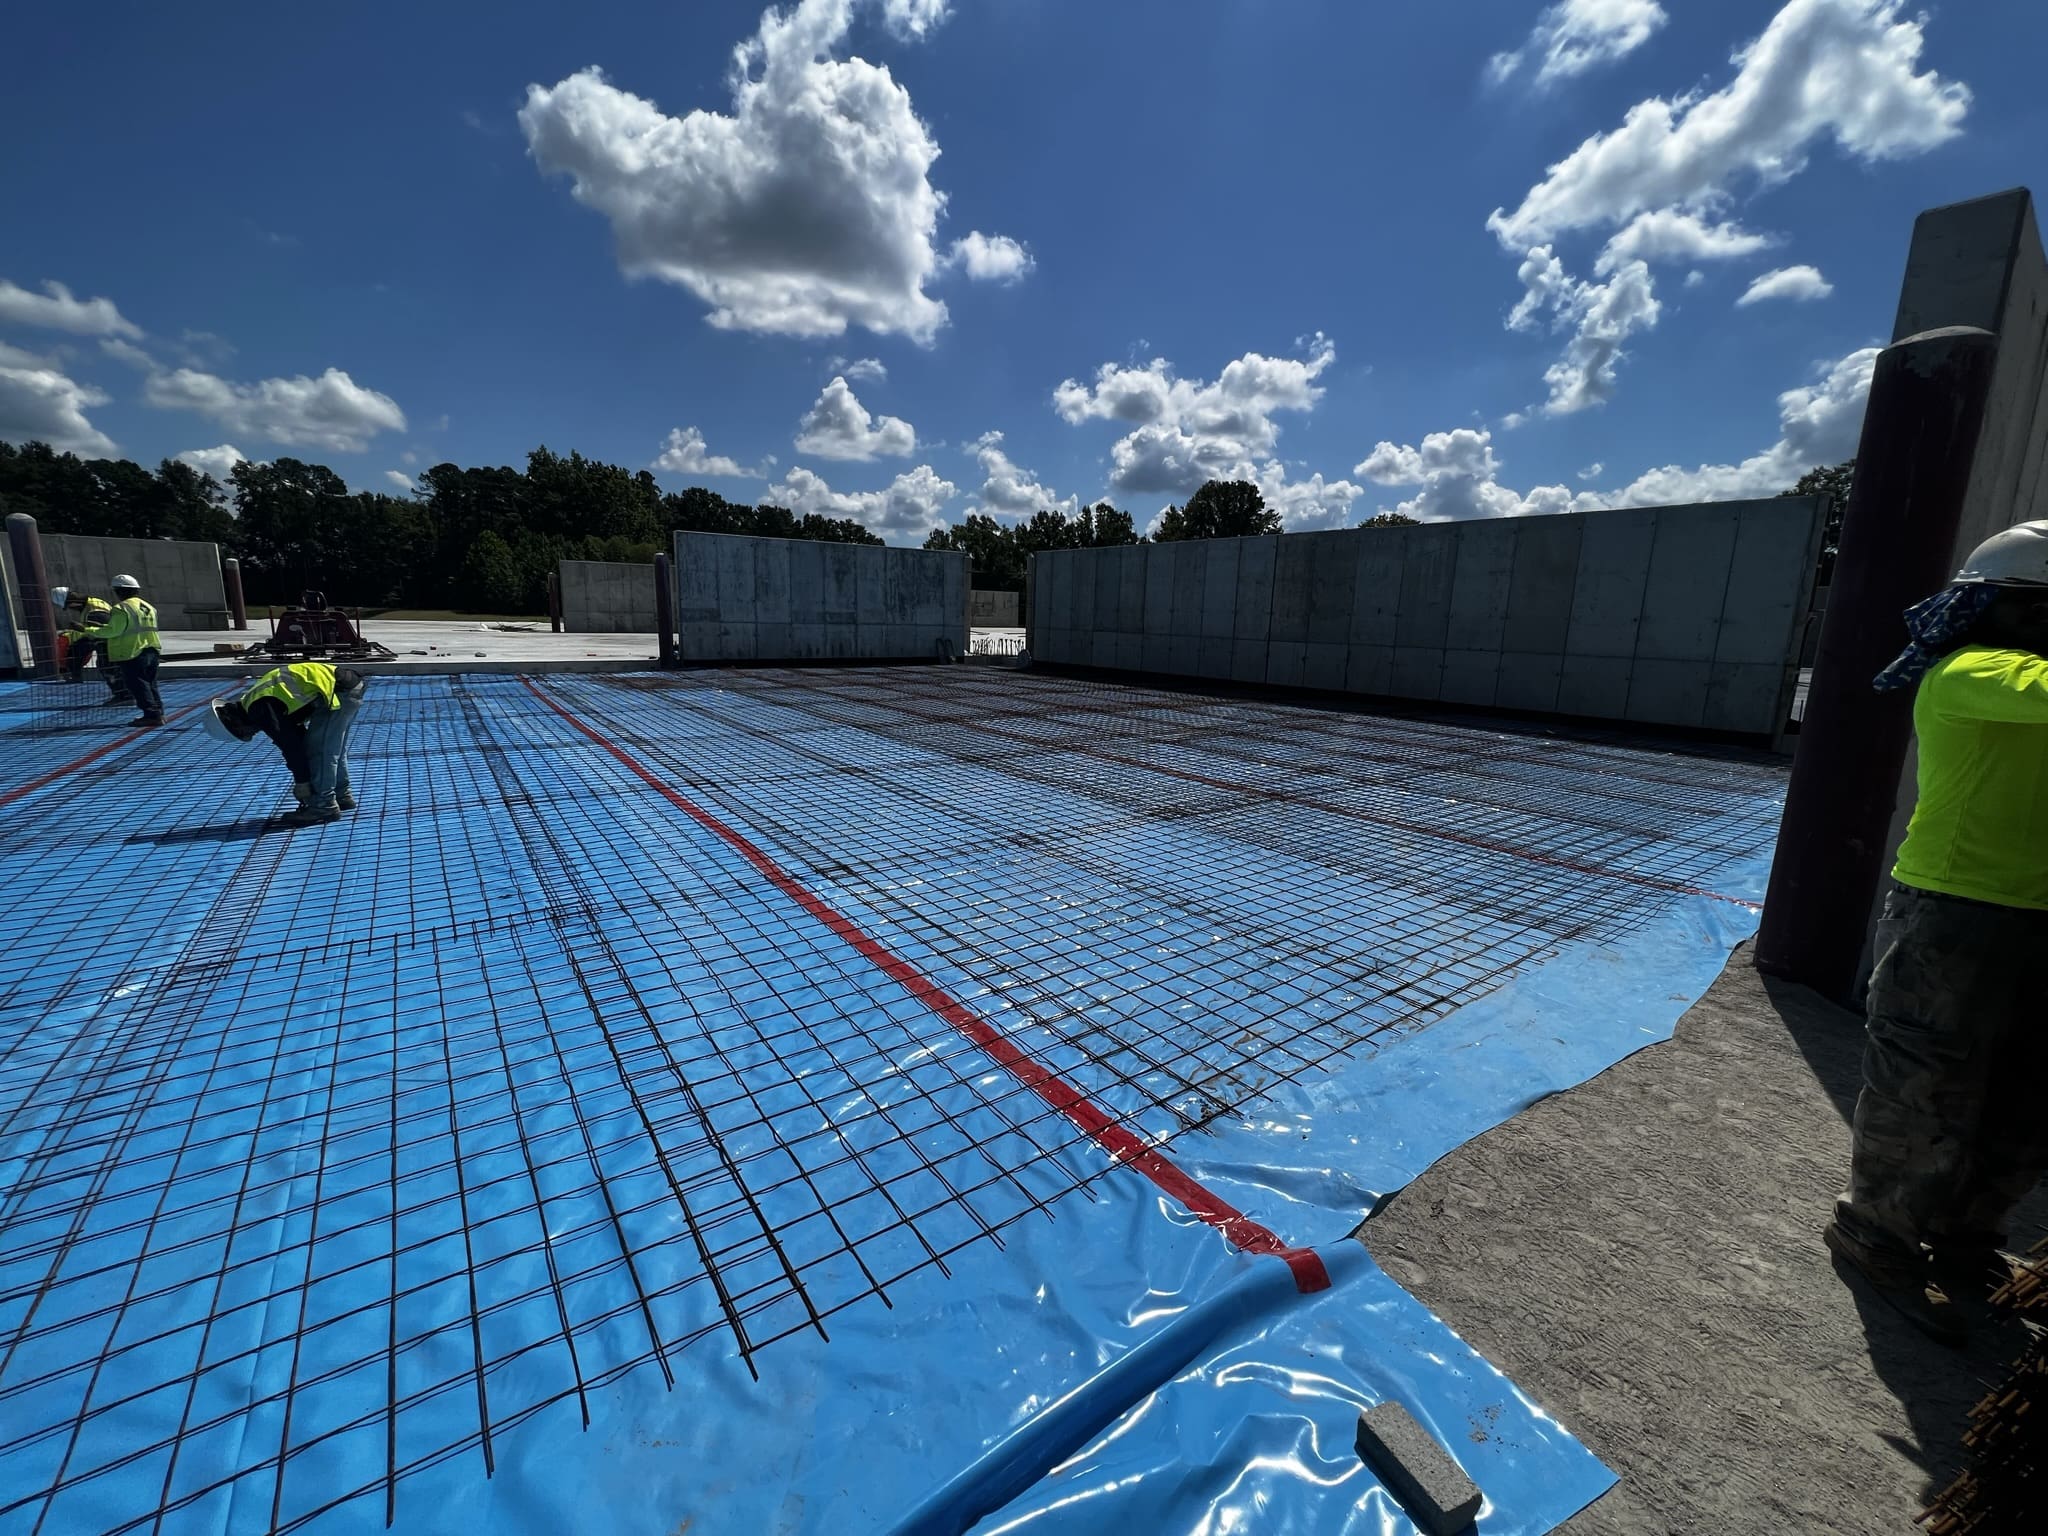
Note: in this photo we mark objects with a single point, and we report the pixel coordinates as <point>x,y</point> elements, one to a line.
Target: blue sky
<point>1145,242</point>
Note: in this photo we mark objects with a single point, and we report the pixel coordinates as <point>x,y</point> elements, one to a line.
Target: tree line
<point>484,539</point>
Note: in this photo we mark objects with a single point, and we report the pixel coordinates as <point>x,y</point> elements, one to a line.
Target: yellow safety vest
<point>129,631</point>
<point>295,685</point>
<point>97,611</point>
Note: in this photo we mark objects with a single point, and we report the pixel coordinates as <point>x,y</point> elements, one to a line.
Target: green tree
<point>1391,520</point>
<point>1221,509</point>
<point>991,548</point>
<point>292,526</point>
<point>490,579</point>
<point>1103,525</point>
<point>1834,482</point>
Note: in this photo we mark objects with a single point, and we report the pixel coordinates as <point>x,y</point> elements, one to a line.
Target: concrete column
<point>1920,434</point>
<point>231,584</point>
<point>554,602</point>
<point>38,617</point>
<point>664,611</point>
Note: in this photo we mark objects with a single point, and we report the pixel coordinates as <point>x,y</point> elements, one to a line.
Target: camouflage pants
<point>1951,1128</point>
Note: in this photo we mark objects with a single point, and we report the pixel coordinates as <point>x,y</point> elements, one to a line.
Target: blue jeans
<point>139,673</point>
<point>327,748</point>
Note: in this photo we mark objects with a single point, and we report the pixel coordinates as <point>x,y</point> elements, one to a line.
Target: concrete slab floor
<point>1642,1256</point>
<point>425,645</point>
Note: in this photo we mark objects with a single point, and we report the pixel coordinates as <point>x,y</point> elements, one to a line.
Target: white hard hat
<point>126,584</point>
<point>2017,557</point>
<point>60,597</point>
<point>216,727</point>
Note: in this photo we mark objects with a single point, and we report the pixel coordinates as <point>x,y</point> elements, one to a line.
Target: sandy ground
<point>1642,1256</point>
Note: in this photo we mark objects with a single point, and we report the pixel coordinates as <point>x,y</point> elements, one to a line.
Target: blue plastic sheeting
<point>516,1153</point>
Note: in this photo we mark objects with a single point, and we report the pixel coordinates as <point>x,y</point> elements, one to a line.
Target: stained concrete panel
<point>1218,654</point>
<point>1741,692</point>
<point>748,599</point>
<point>1190,566</point>
<point>1469,677</point>
<point>1370,669</point>
<point>1376,586</point>
<point>1109,592</point>
<point>1428,568</point>
<point>1528,681</point>
<point>1323,666</point>
<point>1666,692</point>
<point>1158,578</point>
<point>1480,581</point>
<point>1285,660</point>
<point>607,597</point>
<point>1256,559</point>
<point>1607,597</point>
<point>1776,545</point>
<point>1687,585</point>
<point>1418,671</point>
<point>1131,581</point>
<point>180,577</point>
<point>1219,561</point>
<point>1333,576</point>
<point>1087,581</point>
<point>1293,567</point>
<point>1248,661</point>
<point>1540,591</point>
<point>1596,686</point>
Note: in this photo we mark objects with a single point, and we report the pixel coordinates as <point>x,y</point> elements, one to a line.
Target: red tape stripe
<point>91,757</point>
<point>1122,1144</point>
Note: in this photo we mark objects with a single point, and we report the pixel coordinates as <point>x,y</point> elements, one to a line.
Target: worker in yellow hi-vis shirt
<point>134,646</point>
<point>1950,1133</point>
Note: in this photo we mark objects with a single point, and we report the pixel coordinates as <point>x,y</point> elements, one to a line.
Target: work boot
<point>1974,1274</point>
<point>143,721</point>
<point>344,800</point>
<point>303,793</point>
<point>313,816</point>
<point>1905,1285</point>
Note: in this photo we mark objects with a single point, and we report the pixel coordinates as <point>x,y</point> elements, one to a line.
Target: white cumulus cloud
<point>54,309</point>
<point>218,462</point>
<point>807,209</point>
<point>860,370</point>
<point>1670,235</point>
<point>838,426</point>
<point>1818,423</point>
<point>989,258</point>
<point>903,511</point>
<point>1008,490</point>
<point>684,453</point>
<point>1799,284</point>
<point>1458,475</point>
<point>399,479</point>
<point>1601,316</point>
<point>1846,70</point>
<point>1578,35</point>
<point>1185,431</point>
<point>41,403</point>
<point>332,412</point>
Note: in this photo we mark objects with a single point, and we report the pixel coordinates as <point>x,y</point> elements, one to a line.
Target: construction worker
<point>88,614</point>
<point>134,646</point>
<point>306,708</point>
<point>1949,1131</point>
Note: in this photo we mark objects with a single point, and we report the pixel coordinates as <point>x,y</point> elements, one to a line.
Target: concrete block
<point>1130,653</point>
<point>1285,661</point>
<point>1216,656</point>
<point>1428,567</point>
<point>771,580</point>
<point>807,642</point>
<point>1190,566</point>
<point>1541,588</point>
<point>1084,578</point>
<point>1770,580</point>
<point>869,564</point>
<point>1376,585</point>
<point>1418,671</point>
<point>772,642</point>
<point>1056,575</point>
<point>699,640</point>
<point>1370,669</point>
<point>1480,581</point>
<point>1292,581</point>
<point>1596,686</point>
<point>1247,661</point>
<point>1430,1486</point>
<point>734,560</point>
<point>1665,692</point>
<point>736,641</point>
<point>806,574</point>
<point>1607,597</point>
<point>1218,560</point>
<point>1323,666</point>
<point>1159,653</point>
<point>1332,576</point>
<point>1469,677</point>
<point>696,577</point>
<point>1528,681</point>
<point>1687,582</point>
<point>1749,697</point>
<point>1256,560</point>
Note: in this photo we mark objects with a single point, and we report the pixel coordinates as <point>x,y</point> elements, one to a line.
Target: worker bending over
<point>134,646</point>
<point>306,708</point>
<point>88,613</point>
<point>1950,1133</point>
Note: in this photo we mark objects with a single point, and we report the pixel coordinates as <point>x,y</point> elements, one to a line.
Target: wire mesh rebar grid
<point>330,1156</point>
